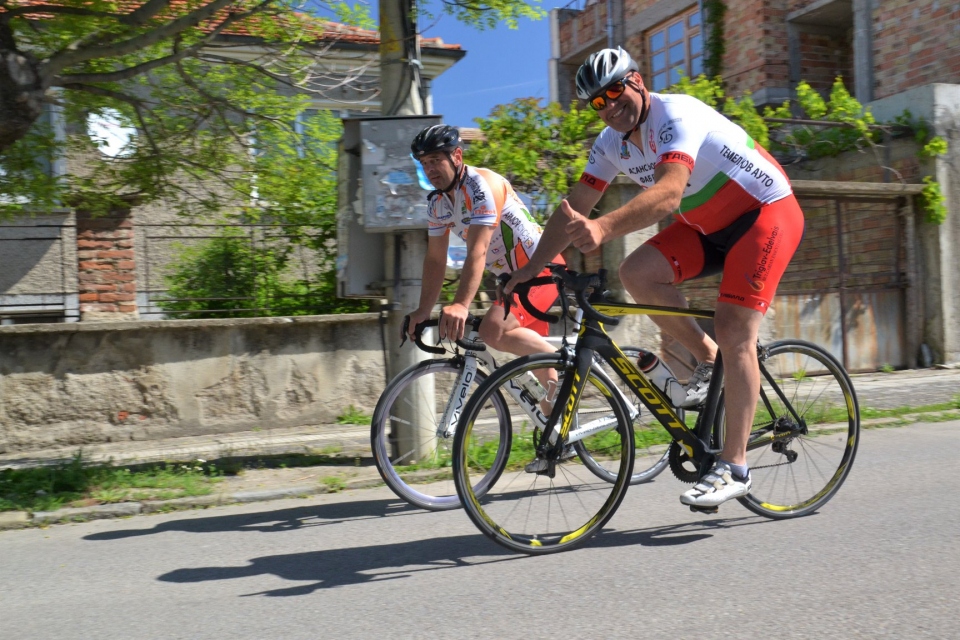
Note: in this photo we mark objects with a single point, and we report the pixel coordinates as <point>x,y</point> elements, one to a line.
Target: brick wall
<point>106,269</point>
<point>915,43</point>
<point>823,58</point>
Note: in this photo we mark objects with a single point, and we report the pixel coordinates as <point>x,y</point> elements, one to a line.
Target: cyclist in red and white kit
<point>734,212</point>
<point>482,208</point>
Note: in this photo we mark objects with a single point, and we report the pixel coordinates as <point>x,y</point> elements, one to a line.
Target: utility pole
<point>405,250</point>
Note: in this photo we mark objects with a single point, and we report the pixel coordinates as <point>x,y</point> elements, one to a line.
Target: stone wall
<point>80,383</point>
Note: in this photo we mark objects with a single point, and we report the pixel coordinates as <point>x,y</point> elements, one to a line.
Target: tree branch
<point>146,67</point>
<point>72,55</point>
<point>59,9</point>
<point>139,16</point>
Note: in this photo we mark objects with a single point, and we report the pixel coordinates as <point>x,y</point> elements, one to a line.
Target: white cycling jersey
<point>730,173</point>
<point>483,197</point>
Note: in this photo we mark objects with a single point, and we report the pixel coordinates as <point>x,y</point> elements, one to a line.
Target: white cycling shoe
<point>715,488</point>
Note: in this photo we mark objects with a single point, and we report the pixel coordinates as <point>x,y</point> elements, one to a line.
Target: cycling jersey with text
<point>486,198</point>
<point>730,173</point>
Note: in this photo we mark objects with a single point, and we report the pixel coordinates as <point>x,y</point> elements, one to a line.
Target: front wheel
<point>805,433</point>
<point>412,458</point>
<point>539,506</point>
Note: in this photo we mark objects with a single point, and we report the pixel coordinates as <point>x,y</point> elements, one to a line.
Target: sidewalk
<point>350,443</point>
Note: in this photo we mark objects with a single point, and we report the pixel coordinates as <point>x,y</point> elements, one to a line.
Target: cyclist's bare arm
<point>650,206</point>
<point>454,318</point>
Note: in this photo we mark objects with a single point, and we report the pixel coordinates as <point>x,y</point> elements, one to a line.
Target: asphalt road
<point>881,560</point>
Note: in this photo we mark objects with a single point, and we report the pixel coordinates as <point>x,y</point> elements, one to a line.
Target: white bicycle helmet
<point>601,69</point>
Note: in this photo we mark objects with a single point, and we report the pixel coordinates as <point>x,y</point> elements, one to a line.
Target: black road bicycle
<point>801,446</point>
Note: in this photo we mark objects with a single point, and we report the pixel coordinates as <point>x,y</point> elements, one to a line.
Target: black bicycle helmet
<point>439,137</point>
<point>602,69</point>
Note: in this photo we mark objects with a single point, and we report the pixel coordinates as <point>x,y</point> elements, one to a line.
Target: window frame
<point>689,32</point>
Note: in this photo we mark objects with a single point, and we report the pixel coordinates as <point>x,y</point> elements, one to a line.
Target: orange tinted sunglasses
<point>612,92</point>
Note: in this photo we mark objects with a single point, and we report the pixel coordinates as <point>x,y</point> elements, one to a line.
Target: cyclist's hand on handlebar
<point>585,234</point>
<point>453,319</point>
<point>416,318</point>
<point>520,275</point>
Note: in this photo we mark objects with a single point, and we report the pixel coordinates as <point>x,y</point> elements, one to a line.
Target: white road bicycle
<point>413,426</point>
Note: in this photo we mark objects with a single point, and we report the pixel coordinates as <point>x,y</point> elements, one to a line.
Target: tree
<point>541,150</point>
<point>200,81</point>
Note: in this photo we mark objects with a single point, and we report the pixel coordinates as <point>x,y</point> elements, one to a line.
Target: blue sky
<point>501,65</point>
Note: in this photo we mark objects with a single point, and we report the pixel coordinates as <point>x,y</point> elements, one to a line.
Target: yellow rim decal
<point>821,493</point>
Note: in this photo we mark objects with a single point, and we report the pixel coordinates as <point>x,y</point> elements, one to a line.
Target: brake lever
<point>403,330</point>
<point>507,301</point>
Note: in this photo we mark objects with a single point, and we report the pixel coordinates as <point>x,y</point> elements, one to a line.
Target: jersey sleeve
<point>677,136</point>
<point>600,170</point>
<point>483,198</point>
<point>434,226</point>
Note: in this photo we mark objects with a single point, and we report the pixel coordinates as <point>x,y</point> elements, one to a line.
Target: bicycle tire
<point>530,512</point>
<point>427,485</point>
<point>797,470</point>
<point>651,440</point>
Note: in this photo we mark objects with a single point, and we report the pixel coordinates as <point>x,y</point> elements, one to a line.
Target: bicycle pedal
<point>704,509</point>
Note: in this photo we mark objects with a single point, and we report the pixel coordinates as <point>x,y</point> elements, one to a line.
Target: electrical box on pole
<point>381,190</point>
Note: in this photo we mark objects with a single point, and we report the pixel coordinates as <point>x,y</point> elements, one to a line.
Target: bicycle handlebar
<point>564,279</point>
<point>470,345</point>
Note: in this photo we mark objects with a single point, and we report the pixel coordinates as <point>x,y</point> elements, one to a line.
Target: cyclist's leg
<point>650,274</point>
<point>752,271</point>
<point>521,334</point>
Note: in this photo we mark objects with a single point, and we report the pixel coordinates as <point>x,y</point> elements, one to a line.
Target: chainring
<point>683,468</point>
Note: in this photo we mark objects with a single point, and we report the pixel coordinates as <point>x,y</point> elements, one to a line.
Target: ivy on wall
<point>714,43</point>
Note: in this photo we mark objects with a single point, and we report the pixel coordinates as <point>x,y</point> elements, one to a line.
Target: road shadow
<point>274,521</point>
<point>350,566</point>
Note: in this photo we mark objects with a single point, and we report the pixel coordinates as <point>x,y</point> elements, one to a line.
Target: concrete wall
<point>73,384</point>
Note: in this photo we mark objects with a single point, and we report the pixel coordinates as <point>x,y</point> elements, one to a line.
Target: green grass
<point>352,415</point>
<point>76,483</point>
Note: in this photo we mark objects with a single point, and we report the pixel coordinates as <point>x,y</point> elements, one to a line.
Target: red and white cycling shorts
<point>752,252</point>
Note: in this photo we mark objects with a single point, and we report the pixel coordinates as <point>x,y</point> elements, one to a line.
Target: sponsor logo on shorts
<point>767,256</point>
<point>755,285</point>
<point>733,297</point>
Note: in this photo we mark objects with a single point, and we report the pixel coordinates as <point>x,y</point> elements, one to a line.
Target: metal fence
<point>242,252</point>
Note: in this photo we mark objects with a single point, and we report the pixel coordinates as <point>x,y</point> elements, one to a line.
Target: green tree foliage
<point>742,111</point>
<point>487,14</point>
<point>285,269</point>
<point>541,150</point>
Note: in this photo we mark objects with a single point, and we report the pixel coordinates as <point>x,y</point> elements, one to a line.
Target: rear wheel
<point>805,432</point>
<point>537,506</point>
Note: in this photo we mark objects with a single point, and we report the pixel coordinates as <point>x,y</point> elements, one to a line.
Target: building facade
<point>66,266</point>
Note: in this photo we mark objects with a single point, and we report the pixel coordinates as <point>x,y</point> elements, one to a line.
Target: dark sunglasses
<point>612,92</point>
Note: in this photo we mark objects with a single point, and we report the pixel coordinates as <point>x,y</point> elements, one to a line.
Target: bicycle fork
<point>458,398</point>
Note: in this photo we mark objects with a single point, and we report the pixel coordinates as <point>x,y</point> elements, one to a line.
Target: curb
<point>22,519</point>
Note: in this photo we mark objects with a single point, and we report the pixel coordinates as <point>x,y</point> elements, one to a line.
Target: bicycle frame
<point>593,341</point>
